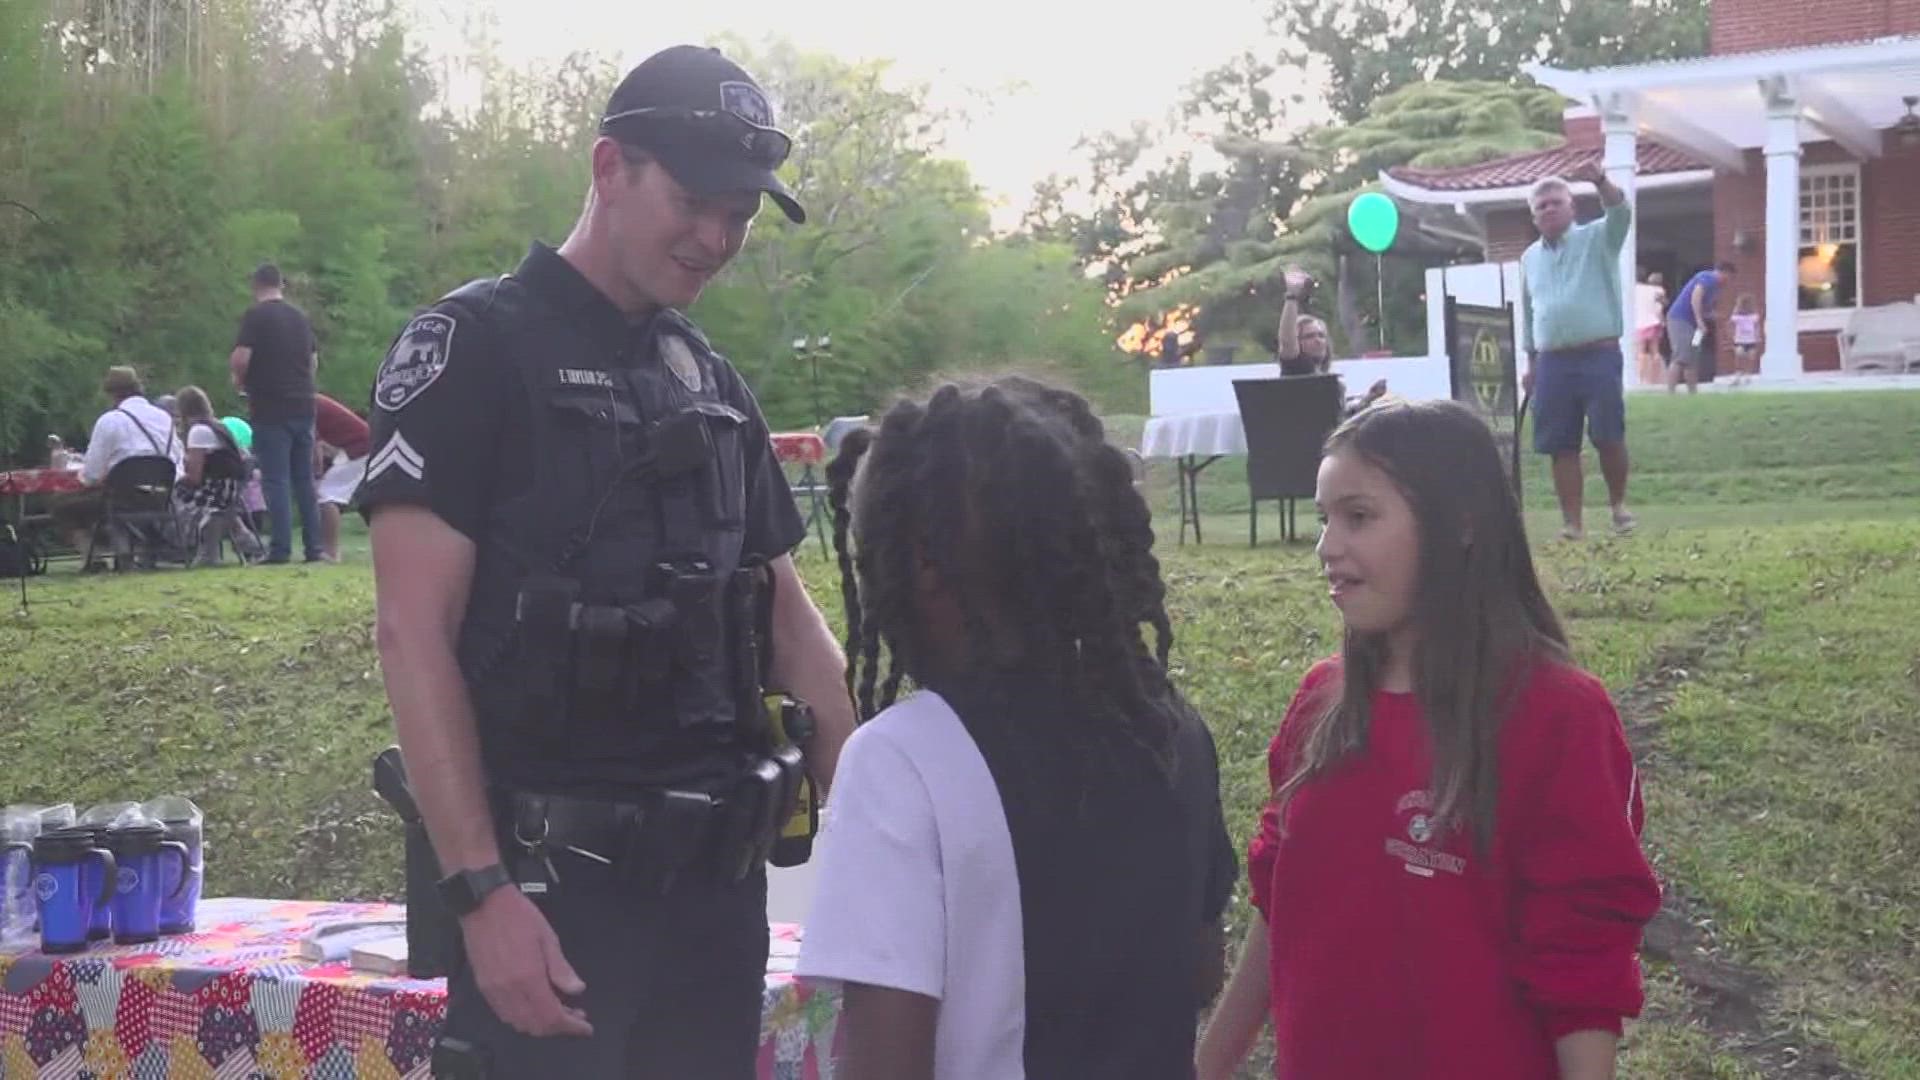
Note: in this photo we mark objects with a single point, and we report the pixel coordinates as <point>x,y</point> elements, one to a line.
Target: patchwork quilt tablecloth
<point>236,1001</point>
<point>23,482</point>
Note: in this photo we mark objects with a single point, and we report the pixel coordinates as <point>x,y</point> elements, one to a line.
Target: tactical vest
<point>639,489</point>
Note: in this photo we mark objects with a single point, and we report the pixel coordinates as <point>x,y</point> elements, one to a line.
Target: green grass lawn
<point>1766,456</point>
<point>1758,632</point>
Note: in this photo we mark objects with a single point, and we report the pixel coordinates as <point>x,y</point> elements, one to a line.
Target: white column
<point>1780,359</point>
<point>1437,317</point>
<point>1621,161</point>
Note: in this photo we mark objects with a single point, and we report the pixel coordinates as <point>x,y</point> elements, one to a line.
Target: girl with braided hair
<point>1448,882</point>
<point>1025,864</point>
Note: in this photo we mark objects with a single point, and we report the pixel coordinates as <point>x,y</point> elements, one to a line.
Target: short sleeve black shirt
<point>460,439</point>
<point>279,378</point>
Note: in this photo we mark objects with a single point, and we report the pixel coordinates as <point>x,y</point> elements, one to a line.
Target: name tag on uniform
<point>586,377</point>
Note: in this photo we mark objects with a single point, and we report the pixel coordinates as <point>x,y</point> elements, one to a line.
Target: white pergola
<point>1719,107</point>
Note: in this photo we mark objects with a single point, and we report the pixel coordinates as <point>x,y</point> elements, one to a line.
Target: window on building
<point>1829,237</point>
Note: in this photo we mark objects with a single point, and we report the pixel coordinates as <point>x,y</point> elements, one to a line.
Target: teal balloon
<point>241,431</point>
<point>1374,221</point>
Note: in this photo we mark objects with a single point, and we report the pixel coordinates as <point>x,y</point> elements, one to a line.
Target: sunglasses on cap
<point>765,147</point>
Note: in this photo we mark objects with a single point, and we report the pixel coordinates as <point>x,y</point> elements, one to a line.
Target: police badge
<point>416,359</point>
<point>679,357</point>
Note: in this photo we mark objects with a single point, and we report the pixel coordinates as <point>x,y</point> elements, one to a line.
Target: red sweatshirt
<point>1398,953</point>
<point>338,426</point>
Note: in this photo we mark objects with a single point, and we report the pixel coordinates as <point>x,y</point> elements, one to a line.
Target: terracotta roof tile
<point>1522,169</point>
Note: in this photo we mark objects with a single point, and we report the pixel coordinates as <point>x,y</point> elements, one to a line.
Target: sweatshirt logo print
<point>1420,829</point>
<point>1414,814</point>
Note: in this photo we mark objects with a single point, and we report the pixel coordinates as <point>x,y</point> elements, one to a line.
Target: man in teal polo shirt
<point>1571,331</point>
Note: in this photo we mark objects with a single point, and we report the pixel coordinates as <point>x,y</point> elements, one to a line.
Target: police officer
<point>577,520</point>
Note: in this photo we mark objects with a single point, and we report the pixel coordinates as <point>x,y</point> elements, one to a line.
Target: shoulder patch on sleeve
<point>398,454</point>
<point>417,358</point>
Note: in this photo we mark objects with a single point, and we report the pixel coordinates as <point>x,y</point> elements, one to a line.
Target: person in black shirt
<point>1306,348</point>
<point>576,513</point>
<point>1025,867</point>
<point>273,363</point>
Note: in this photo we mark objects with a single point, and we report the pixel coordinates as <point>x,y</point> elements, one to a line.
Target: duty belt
<point>650,842</point>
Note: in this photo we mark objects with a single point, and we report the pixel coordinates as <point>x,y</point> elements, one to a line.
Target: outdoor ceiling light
<point>1906,132</point>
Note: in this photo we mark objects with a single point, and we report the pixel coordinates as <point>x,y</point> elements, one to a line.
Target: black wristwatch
<point>463,892</point>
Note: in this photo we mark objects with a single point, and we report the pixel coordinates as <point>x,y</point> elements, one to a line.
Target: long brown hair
<point>1480,615</point>
<point>194,406</point>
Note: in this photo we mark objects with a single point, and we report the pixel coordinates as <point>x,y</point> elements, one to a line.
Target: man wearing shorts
<point>1690,325</point>
<point>345,438</point>
<point>1570,329</point>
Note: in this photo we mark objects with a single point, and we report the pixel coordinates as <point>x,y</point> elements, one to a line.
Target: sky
<point>1033,75</point>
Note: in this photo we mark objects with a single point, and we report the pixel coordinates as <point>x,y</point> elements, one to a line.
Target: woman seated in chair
<point>207,497</point>
<point>1305,348</point>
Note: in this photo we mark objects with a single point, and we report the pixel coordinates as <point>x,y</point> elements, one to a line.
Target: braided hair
<point>1009,493</point>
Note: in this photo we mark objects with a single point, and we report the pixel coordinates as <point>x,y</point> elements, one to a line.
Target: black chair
<point>139,510</point>
<point>1287,421</point>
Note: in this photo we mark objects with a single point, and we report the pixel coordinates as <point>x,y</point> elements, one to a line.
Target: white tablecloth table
<point>1210,434</point>
<point>1194,440</point>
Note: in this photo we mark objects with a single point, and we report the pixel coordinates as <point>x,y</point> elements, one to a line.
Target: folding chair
<point>1287,421</point>
<point>213,531</point>
<point>222,529</point>
<point>139,510</point>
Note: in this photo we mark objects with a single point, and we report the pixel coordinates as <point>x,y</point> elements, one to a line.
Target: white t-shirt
<point>202,437</point>
<point>1649,299</point>
<point>134,428</point>
<point>918,889</point>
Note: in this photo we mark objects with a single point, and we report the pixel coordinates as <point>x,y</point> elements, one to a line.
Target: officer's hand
<point>518,966</point>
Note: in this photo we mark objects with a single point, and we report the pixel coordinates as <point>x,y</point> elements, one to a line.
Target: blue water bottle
<point>140,850</point>
<point>65,863</point>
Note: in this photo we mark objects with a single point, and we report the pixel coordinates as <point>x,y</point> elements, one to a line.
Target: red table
<point>24,482</point>
<point>805,449</point>
<point>799,448</point>
<point>21,483</point>
<point>236,999</point>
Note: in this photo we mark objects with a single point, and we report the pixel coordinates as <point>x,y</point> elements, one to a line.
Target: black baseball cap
<point>706,120</point>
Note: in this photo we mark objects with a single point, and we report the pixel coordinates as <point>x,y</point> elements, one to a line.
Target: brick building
<point>1792,150</point>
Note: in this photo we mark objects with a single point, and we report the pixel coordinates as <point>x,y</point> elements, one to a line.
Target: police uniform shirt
<point>452,420</point>
<point>1059,931</point>
<point>452,435</point>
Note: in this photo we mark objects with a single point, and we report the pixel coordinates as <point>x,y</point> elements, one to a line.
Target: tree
<point>1369,48</point>
<point>1197,243</point>
<point>896,260</point>
<point>1150,227</point>
<point>140,182</point>
<point>1228,283</point>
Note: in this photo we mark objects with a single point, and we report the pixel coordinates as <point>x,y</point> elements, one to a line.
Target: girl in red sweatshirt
<point>1448,878</point>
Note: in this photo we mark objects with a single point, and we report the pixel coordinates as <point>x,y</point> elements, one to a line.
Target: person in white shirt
<point>207,496</point>
<point>1024,864</point>
<point>133,427</point>
<point>1650,305</point>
